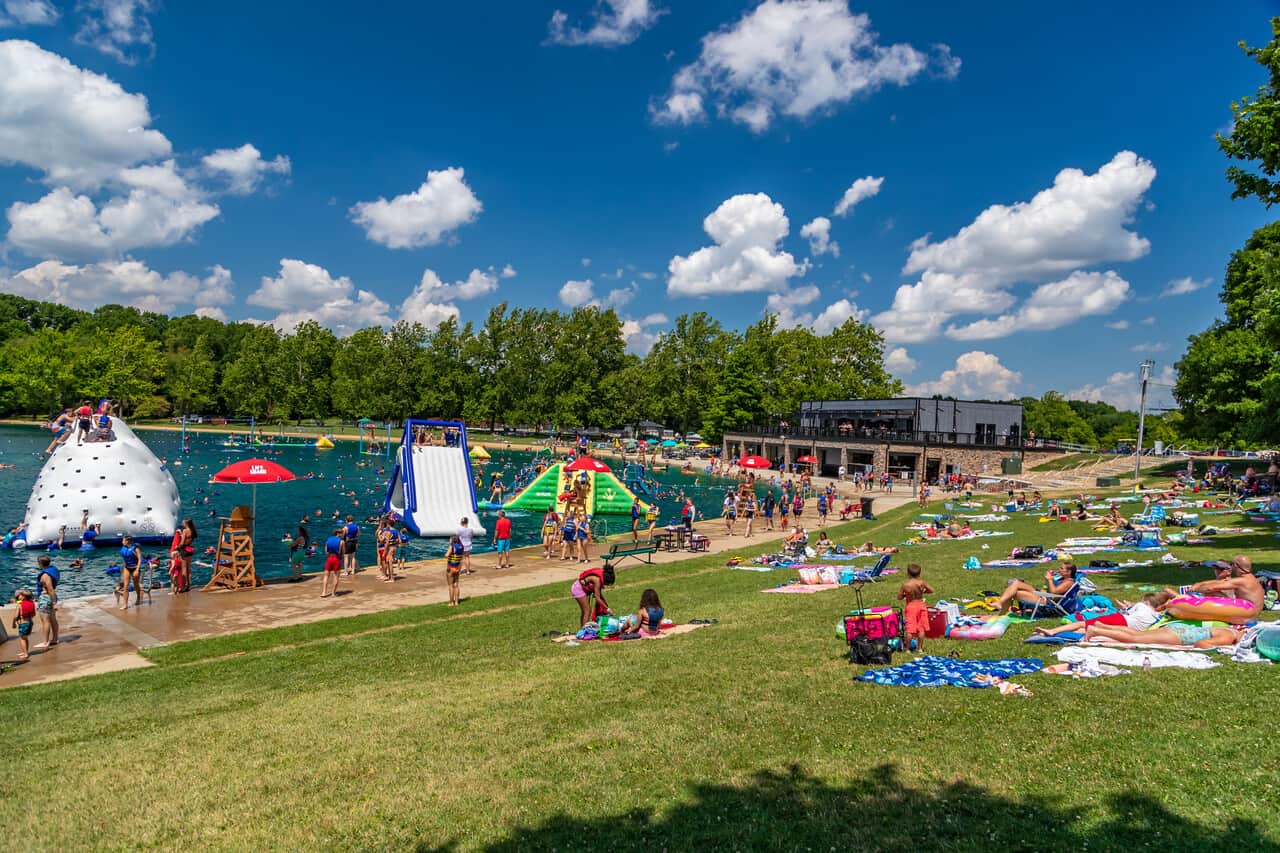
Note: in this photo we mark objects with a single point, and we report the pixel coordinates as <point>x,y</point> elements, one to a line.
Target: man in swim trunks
<point>350,541</point>
<point>502,539</point>
<point>1234,579</point>
<point>332,562</point>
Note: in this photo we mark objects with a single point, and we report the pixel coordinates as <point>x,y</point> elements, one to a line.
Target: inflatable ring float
<point>1192,608</point>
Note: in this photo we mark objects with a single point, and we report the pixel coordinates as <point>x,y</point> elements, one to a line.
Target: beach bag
<point>973,563</point>
<point>809,577</point>
<point>827,575</point>
<point>865,651</point>
<point>1028,552</point>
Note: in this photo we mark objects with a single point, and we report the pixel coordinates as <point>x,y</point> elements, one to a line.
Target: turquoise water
<point>338,480</point>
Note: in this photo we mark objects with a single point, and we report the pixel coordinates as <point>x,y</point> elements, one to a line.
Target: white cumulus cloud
<point>860,190</point>
<point>304,291</point>
<point>125,282</point>
<point>818,233</point>
<point>898,360</point>
<point>423,217</point>
<point>613,23</point>
<point>977,374</point>
<point>478,283</point>
<point>1184,285</point>
<point>158,208</point>
<point>76,127</point>
<point>1078,222</point>
<point>793,58</point>
<point>243,168</point>
<point>784,306</point>
<point>1051,306</point>
<point>747,231</point>
<point>640,335</point>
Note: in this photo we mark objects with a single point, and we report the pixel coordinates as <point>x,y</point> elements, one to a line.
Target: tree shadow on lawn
<point>794,811</point>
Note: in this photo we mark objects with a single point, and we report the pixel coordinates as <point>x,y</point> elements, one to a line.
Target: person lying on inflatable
<point>1234,595</point>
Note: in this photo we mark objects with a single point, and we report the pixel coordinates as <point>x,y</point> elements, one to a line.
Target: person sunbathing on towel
<point>868,548</point>
<point>1056,583</point>
<point>1115,520</point>
<point>1232,580</point>
<point>1139,616</point>
<point>1169,634</point>
<point>957,531</point>
<point>1083,514</point>
<point>824,545</point>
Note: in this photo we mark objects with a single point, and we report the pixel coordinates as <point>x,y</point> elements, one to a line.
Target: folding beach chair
<point>1049,604</point>
<point>873,574</point>
<point>1155,517</point>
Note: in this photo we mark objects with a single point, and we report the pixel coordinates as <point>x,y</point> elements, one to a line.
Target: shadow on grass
<point>794,811</point>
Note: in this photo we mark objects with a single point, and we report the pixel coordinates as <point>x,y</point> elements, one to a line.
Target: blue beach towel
<point>934,671</point>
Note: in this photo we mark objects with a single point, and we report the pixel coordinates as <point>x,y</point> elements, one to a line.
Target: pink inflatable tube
<point>1194,608</point>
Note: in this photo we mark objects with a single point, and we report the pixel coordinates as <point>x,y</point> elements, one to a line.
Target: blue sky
<point>432,160</point>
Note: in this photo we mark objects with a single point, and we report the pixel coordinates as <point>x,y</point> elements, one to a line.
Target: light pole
<point>1142,420</point>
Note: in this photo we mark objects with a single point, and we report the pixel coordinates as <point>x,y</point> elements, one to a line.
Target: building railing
<point>921,437</point>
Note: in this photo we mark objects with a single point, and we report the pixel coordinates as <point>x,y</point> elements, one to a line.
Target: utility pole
<point>1142,420</point>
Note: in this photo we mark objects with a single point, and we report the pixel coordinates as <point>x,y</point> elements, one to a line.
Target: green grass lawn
<point>431,728</point>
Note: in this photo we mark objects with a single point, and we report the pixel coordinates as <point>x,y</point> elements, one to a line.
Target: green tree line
<point>1229,378</point>
<point>521,366</point>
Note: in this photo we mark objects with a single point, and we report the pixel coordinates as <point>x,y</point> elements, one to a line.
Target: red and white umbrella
<point>754,462</point>
<point>251,472</point>
<point>807,459</point>
<point>588,463</point>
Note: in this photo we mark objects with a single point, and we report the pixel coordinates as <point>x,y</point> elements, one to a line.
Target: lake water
<point>339,480</point>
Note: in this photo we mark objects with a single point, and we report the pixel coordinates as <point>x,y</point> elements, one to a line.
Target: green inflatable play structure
<point>606,494</point>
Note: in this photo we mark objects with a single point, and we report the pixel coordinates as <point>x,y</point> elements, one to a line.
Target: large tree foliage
<point>1229,381</point>
<point>522,366</point>
<point>1255,133</point>
<point>1052,417</point>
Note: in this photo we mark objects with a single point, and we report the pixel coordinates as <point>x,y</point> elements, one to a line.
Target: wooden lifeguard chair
<point>233,566</point>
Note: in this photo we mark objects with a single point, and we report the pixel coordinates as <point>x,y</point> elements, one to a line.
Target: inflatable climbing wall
<point>120,482</point>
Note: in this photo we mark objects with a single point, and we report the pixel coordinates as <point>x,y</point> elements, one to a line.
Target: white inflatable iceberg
<point>117,483</point>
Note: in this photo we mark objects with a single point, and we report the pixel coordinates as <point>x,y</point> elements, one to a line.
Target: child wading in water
<point>916,612</point>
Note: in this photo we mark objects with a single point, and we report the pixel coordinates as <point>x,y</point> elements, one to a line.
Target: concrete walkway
<point>97,637</point>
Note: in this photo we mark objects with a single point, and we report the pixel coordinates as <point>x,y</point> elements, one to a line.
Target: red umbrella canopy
<point>252,472</point>
<point>754,462</point>
<point>807,459</point>
<point>588,463</point>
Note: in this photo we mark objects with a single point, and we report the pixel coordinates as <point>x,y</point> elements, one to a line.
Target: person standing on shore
<point>47,603</point>
<point>298,550</point>
<point>466,538</point>
<point>332,562</point>
<point>502,539</point>
<point>350,541</point>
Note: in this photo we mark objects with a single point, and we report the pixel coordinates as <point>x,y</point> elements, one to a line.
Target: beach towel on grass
<point>674,630</point>
<point>934,671</point>
<point>804,588</point>
<point>1014,564</point>
<point>1129,657</point>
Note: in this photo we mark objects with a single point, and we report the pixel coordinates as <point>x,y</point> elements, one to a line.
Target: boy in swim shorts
<point>916,612</point>
<point>332,563</point>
